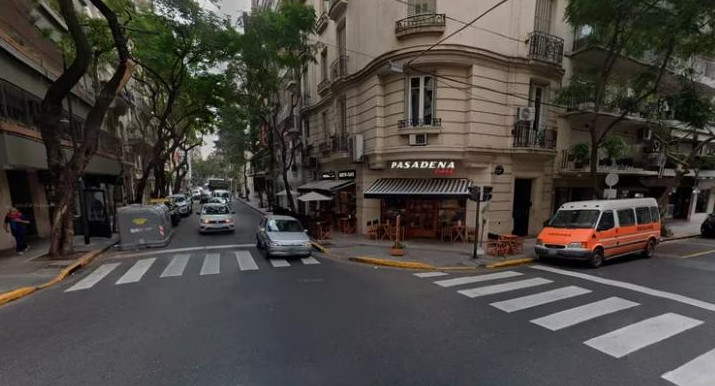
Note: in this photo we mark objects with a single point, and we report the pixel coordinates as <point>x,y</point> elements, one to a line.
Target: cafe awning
<point>326,185</point>
<point>432,187</point>
<point>314,196</point>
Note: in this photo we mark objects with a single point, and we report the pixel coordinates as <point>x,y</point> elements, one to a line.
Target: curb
<point>392,263</point>
<point>665,240</point>
<point>511,263</point>
<point>319,247</point>
<point>80,262</point>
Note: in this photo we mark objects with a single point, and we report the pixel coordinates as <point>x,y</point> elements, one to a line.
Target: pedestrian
<point>16,223</point>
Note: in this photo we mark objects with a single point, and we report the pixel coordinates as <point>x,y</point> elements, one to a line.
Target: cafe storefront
<point>428,202</point>
<point>340,186</point>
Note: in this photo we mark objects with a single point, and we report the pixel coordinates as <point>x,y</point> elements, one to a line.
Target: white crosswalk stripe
<point>94,277</point>
<point>245,261</point>
<point>279,263</point>
<point>429,274</point>
<point>135,273</point>
<point>176,266</point>
<point>499,288</point>
<point>476,279</point>
<point>538,299</point>
<point>573,316</point>
<point>212,264</point>
<point>309,260</point>
<point>634,337</point>
<point>698,372</point>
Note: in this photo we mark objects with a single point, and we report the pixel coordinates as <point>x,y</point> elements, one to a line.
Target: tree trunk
<point>180,175</point>
<point>141,183</point>
<point>289,195</point>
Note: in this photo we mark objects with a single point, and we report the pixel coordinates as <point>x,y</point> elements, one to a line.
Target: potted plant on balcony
<point>613,147</point>
<point>580,152</point>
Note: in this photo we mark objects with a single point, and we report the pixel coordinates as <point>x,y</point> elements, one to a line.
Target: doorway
<point>521,206</point>
<point>21,197</point>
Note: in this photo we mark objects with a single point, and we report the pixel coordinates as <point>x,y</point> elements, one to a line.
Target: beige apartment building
<point>395,124</point>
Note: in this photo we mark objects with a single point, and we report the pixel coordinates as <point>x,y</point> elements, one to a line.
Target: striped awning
<point>386,187</point>
<point>326,185</point>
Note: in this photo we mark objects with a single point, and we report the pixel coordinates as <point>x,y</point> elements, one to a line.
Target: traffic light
<point>474,193</point>
<point>486,193</point>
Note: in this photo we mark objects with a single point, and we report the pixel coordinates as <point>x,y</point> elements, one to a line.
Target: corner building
<point>394,125</point>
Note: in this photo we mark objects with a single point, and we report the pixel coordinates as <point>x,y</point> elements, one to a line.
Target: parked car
<point>707,229</point>
<point>175,216</point>
<point>196,194</point>
<point>599,230</point>
<point>282,236</point>
<point>183,205</point>
<point>205,197</point>
<point>218,200</point>
<point>215,218</point>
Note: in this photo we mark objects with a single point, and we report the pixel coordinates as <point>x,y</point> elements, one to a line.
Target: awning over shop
<point>444,187</point>
<point>326,185</point>
<point>314,196</point>
<point>285,193</point>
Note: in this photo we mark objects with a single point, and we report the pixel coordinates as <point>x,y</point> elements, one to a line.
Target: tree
<point>274,49</point>
<point>179,66</point>
<point>67,167</point>
<point>663,33</point>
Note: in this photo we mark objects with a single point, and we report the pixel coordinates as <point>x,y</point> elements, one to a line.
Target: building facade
<point>396,124</point>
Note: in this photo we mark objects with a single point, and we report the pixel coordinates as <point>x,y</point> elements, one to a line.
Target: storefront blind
<point>455,187</point>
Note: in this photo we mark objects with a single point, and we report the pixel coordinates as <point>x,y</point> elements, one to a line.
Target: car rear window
<point>284,226</point>
<point>215,210</point>
<point>643,215</point>
<point>626,217</point>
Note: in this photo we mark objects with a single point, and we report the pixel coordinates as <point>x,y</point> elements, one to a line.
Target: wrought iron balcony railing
<point>546,47</point>
<point>418,22</point>
<point>419,122</point>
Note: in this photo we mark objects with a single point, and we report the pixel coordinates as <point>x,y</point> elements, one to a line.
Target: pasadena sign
<point>422,165</point>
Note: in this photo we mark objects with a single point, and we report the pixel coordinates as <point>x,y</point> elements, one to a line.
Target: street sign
<point>611,179</point>
<point>499,170</point>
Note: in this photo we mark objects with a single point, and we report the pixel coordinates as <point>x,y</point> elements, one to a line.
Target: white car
<point>216,218</point>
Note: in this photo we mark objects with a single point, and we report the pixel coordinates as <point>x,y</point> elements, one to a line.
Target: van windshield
<point>574,219</point>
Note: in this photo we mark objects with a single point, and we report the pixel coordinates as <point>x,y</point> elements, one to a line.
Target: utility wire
<point>458,30</point>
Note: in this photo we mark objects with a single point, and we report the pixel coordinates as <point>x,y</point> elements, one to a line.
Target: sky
<point>232,8</point>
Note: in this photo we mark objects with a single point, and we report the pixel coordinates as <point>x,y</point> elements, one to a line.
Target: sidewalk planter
<point>397,249</point>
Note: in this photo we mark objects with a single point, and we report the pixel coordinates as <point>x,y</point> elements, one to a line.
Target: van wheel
<point>597,258</point>
<point>649,249</point>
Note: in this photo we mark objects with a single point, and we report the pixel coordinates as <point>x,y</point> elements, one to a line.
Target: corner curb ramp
<point>511,263</point>
<point>85,259</point>
<point>393,263</point>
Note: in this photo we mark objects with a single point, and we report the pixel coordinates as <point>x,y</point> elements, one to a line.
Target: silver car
<point>282,236</point>
<point>181,203</point>
<point>215,218</point>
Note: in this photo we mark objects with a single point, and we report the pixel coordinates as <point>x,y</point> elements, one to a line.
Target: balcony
<point>323,86</point>
<point>545,47</point>
<point>321,23</point>
<point>337,8</point>
<point>526,137</point>
<point>420,126</point>
<point>339,68</point>
<point>431,23</point>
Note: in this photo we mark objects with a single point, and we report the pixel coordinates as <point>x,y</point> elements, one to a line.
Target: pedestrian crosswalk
<point>211,264</point>
<point>634,336</point>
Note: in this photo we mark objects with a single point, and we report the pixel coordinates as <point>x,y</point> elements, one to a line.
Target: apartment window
<point>421,100</point>
<point>15,104</point>
<point>342,112</point>
<point>419,7</point>
<point>306,128</point>
<point>324,121</point>
<point>34,108</point>
<point>324,64</point>
<point>537,99</point>
<point>326,5</point>
<point>542,18</point>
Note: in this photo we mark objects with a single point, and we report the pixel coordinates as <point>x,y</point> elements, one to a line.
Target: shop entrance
<point>422,218</point>
<point>521,206</point>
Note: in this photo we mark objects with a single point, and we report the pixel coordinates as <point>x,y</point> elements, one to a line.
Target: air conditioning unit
<point>356,148</point>
<point>524,114</point>
<point>645,134</point>
<point>418,139</point>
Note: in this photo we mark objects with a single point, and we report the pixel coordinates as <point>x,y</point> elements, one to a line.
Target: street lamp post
<point>83,205</point>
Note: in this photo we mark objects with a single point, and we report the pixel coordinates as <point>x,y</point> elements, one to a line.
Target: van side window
<point>607,222</point>
<point>626,217</point>
<point>643,215</point>
<point>654,213</point>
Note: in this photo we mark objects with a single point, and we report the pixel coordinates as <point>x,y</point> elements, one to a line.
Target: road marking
<point>94,277</point>
<point>573,316</point>
<point>245,261</point>
<point>430,274</point>
<point>190,249</point>
<point>541,298</point>
<point>279,263</point>
<point>135,273</point>
<point>476,279</point>
<point>697,254</point>
<point>309,260</point>
<point>176,266</point>
<point>632,287</point>
<point>498,288</point>
<point>634,337</point>
<point>698,372</point>
<point>211,265</point>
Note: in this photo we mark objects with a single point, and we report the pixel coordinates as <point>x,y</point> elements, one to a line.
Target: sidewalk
<point>30,269</point>
<point>686,228</point>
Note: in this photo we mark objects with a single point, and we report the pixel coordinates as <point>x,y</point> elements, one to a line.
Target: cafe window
<point>643,215</point>
<point>626,218</point>
<point>452,211</point>
<point>420,100</point>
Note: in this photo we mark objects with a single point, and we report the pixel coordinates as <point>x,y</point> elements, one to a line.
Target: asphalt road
<point>207,316</point>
